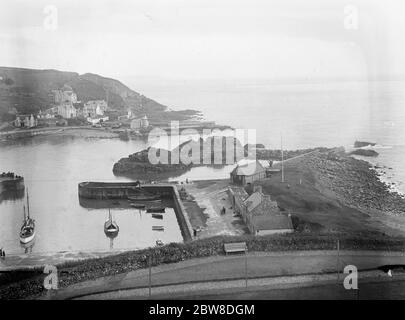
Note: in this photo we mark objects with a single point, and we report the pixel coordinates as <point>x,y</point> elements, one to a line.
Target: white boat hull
<point>27,239</point>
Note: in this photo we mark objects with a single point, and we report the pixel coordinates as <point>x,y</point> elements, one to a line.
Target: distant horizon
<point>383,77</point>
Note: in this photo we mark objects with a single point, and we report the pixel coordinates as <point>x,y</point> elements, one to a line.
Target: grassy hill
<point>29,90</point>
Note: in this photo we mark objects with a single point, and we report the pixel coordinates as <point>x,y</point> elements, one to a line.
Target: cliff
<point>29,90</point>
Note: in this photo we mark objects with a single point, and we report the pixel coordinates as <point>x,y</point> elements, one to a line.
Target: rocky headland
<point>203,152</point>
<point>138,166</point>
<point>194,153</point>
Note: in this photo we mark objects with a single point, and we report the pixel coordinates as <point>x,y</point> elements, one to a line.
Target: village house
<point>66,99</point>
<point>248,173</point>
<point>261,214</point>
<point>25,121</point>
<point>67,110</point>
<point>129,116</point>
<point>141,123</point>
<point>94,108</point>
<point>97,119</point>
<point>47,114</point>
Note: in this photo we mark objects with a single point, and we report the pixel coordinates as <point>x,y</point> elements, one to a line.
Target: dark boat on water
<point>110,226</point>
<point>138,205</point>
<point>27,232</point>
<point>155,210</point>
<point>158,228</point>
<point>157,216</point>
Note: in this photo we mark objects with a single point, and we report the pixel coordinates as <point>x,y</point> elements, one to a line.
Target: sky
<point>206,39</point>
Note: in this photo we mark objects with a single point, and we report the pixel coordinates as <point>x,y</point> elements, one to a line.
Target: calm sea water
<point>306,115</point>
<point>331,114</point>
<point>52,168</point>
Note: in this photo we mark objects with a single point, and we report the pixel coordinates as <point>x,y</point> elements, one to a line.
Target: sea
<point>302,114</point>
<point>296,115</point>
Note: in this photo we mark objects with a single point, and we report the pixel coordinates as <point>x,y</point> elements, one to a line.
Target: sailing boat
<point>27,232</point>
<point>110,226</point>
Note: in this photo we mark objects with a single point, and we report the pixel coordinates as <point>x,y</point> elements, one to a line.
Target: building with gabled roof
<point>261,214</point>
<point>248,173</point>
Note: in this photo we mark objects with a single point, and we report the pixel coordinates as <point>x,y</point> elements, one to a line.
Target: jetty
<point>9,181</point>
<point>121,190</point>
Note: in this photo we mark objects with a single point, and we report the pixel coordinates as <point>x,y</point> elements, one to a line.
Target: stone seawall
<point>120,190</point>
<point>11,184</point>
<point>182,217</point>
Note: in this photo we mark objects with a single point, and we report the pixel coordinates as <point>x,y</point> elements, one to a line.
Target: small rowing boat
<point>137,205</point>
<point>157,216</point>
<point>155,209</point>
<point>158,228</point>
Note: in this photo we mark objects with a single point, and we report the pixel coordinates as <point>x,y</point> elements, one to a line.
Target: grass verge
<point>20,285</point>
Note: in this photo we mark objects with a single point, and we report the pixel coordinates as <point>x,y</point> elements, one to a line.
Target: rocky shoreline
<point>354,182</point>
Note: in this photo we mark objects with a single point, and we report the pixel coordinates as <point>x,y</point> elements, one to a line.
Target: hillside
<point>29,90</point>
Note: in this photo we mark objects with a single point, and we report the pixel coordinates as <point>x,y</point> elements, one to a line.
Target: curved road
<point>214,273</point>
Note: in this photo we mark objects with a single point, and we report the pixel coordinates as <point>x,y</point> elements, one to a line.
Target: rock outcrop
<point>364,153</point>
<point>161,164</point>
<point>361,144</point>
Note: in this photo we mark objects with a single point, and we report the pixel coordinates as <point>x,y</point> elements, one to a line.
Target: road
<point>373,288</point>
<point>218,272</point>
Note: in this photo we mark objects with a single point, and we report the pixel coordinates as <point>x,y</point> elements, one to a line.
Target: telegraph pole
<point>282,160</point>
<point>150,275</point>
<point>337,259</point>
<point>246,274</point>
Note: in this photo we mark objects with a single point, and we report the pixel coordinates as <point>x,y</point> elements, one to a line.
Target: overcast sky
<point>184,39</point>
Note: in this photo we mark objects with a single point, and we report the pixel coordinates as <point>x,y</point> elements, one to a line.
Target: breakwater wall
<point>8,184</point>
<point>121,190</point>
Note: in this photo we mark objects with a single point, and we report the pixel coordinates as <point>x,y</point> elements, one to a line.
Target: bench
<point>235,247</point>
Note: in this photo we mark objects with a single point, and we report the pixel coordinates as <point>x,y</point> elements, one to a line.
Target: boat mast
<point>28,204</point>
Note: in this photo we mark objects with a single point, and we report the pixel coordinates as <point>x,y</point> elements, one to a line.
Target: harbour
<point>57,165</point>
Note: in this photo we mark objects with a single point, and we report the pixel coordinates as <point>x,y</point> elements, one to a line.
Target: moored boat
<point>155,210</point>
<point>158,228</point>
<point>27,232</point>
<point>157,216</point>
<point>110,226</point>
<point>138,205</point>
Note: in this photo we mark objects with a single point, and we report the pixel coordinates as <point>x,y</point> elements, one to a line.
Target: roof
<point>248,169</point>
<point>260,204</point>
<point>272,222</point>
<point>254,200</point>
<point>239,193</point>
